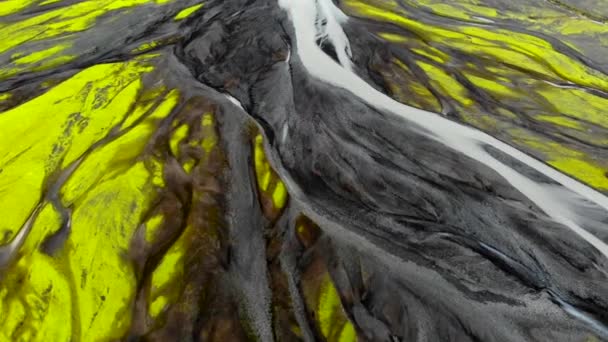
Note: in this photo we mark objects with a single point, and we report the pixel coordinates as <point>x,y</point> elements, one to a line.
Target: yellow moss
<point>158,305</point>
<point>459,10</point>
<point>60,25</point>
<point>541,51</point>
<point>348,333</point>
<point>146,46</point>
<point>329,303</point>
<point>211,139</point>
<point>530,60</point>
<point>567,160</point>
<point>262,169</point>
<point>480,10</point>
<point>393,37</point>
<point>423,92</point>
<point>265,180</point>
<point>442,81</point>
<point>578,104</point>
<point>279,196</point>
<point>518,49</point>
<point>85,108</point>
<point>431,53</point>
<point>53,62</point>
<point>35,301</point>
<point>449,11</point>
<point>37,56</point>
<point>146,101</point>
<point>185,13</point>
<point>332,320</point>
<point>559,120</point>
<point>13,6</point>
<point>169,271</point>
<point>47,223</point>
<point>78,293</point>
<point>169,266</point>
<point>62,21</point>
<point>265,176</point>
<point>494,87</point>
<point>14,309</point>
<point>103,225</point>
<point>23,181</point>
<point>301,229</point>
<point>403,84</point>
<point>575,26</point>
<point>178,135</point>
<point>152,227</point>
<point>48,2</point>
<point>156,169</point>
<point>37,61</point>
<point>188,165</point>
<point>208,119</point>
<point>592,174</point>
<point>117,156</point>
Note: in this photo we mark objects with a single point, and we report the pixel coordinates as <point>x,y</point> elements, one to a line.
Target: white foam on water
<point>466,140</point>
<point>333,32</point>
<point>234,101</point>
<point>484,19</point>
<point>597,325</point>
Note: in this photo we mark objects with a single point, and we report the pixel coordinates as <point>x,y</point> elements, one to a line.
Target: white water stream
<point>560,207</point>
